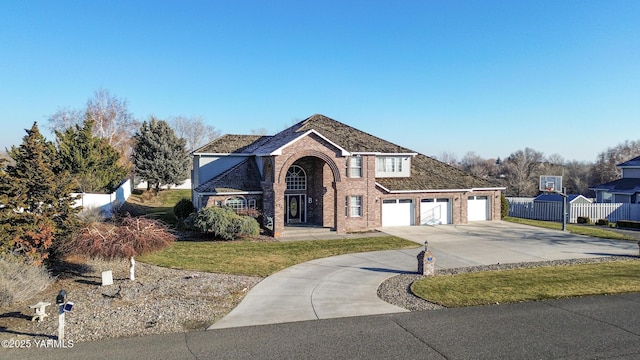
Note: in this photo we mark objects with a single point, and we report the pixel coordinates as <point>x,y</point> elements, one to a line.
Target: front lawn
<point>508,286</point>
<point>588,230</point>
<point>263,258</point>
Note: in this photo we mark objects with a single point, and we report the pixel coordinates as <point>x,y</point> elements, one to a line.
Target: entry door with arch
<point>295,208</point>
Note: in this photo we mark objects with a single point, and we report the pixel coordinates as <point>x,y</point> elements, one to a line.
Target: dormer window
<point>389,164</point>
<point>393,166</point>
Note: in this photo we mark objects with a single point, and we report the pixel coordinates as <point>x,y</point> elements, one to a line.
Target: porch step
<point>306,233</point>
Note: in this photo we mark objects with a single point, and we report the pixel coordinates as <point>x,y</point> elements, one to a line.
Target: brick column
<point>341,227</point>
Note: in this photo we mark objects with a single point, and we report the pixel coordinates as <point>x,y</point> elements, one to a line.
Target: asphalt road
<point>598,327</point>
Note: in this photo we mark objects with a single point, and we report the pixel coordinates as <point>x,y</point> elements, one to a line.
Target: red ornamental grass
<point>122,238</point>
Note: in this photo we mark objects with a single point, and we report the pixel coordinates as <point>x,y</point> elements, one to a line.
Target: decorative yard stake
<point>132,269</point>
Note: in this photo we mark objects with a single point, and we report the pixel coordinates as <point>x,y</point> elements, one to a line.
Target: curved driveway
<point>346,285</point>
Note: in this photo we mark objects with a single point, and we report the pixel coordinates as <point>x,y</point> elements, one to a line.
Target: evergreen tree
<point>91,160</point>
<point>159,156</point>
<point>38,207</point>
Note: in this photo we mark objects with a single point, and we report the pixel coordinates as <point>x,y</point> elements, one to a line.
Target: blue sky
<point>491,77</point>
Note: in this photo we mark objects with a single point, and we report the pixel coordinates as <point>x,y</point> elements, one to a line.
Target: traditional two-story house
<point>625,190</point>
<point>321,172</point>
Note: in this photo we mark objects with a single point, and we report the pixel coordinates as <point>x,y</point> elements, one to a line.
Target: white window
<point>355,167</point>
<point>237,203</point>
<point>354,206</point>
<point>389,164</point>
<point>296,178</point>
<point>252,203</point>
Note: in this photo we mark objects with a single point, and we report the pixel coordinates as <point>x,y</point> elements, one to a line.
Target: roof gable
<point>558,198</point>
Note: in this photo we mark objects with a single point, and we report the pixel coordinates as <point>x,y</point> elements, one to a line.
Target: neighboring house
<point>321,172</point>
<point>625,190</point>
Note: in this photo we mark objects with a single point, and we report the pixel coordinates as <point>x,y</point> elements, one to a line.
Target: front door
<point>295,209</point>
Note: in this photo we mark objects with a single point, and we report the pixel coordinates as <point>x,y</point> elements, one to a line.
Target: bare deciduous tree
<point>111,116</point>
<point>605,170</point>
<point>448,158</point>
<point>576,178</point>
<point>522,169</point>
<point>260,131</point>
<point>477,166</point>
<point>194,130</point>
<point>113,121</point>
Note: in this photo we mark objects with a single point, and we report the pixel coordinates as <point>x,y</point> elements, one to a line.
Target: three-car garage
<point>433,211</point>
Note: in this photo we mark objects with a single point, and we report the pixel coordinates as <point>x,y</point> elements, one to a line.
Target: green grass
<point>262,258</point>
<point>588,230</point>
<point>158,206</point>
<point>508,286</point>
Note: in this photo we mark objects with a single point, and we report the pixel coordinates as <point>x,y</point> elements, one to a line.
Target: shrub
<point>121,238</point>
<point>224,223</point>
<point>583,220</point>
<point>20,281</point>
<point>189,222</point>
<point>249,227</point>
<point>628,224</point>
<point>504,210</point>
<point>602,222</point>
<point>183,208</point>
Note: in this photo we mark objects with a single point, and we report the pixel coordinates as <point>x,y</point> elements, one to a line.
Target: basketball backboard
<point>551,183</point>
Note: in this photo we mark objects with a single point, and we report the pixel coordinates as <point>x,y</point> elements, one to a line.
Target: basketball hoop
<point>549,189</point>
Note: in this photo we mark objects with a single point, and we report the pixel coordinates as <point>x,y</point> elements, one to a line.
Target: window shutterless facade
<point>355,167</point>
<point>354,206</point>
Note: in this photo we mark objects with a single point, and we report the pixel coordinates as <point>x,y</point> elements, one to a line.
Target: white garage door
<point>397,212</point>
<point>478,208</point>
<point>435,211</point>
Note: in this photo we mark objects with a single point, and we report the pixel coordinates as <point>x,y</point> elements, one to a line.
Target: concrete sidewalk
<point>346,285</point>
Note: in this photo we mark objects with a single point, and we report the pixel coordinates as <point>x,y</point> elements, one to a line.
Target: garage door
<point>435,211</point>
<point>397,212</point>
<point>478,208</point>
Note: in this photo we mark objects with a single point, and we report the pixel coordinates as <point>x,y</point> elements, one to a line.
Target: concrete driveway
<point>346,285</point>
<point>493,242</point>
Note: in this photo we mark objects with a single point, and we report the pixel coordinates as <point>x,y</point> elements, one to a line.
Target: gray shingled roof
<point>426,173</point>
<point>620,186</point>
<point>245,176</point>
<point>229,144</point>
<point>635,162</point>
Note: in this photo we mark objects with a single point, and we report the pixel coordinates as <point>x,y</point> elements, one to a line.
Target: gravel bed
<point>160,300</point>
<point>397,290</point>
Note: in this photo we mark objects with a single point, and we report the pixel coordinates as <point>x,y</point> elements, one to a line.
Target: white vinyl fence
<point>552,211</point>
<point>105,202</point>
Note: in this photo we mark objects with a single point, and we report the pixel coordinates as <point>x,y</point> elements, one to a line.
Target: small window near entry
<point>236,203</point>
<point>354,206</point>
<point>252,204</point>
<point>355,167</point>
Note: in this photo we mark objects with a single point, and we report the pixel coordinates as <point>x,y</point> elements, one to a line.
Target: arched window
<point>296,178</point>
<point>237,203</point>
